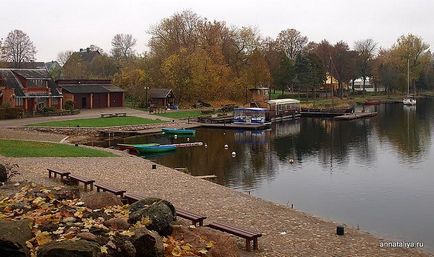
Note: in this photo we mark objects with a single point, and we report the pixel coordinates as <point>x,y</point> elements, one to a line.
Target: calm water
<point>377,173</point>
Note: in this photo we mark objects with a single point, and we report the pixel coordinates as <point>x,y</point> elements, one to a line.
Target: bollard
<point>340,230</point>
<point>154,166</point>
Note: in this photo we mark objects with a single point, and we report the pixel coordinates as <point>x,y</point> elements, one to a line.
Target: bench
<point>121,114</point>
<point>105,188</point>
<point>111,115</point>
<point>85,181</point>
<point>131,198</point>
<point>194,218</point>
<point>249,236</point>
<point>54,173</point>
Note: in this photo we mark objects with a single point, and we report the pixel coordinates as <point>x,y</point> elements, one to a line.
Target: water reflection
<point>373,172</point>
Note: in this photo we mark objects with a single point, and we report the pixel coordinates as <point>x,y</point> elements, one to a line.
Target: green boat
<point>175,131</point>
<point>145,149</point>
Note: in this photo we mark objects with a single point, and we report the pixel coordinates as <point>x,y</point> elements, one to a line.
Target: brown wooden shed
<point>161,97</point>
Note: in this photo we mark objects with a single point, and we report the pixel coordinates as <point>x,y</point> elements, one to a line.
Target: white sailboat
<point>409,100</point>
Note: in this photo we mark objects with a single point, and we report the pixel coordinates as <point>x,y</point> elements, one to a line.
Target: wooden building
<point>161,97</point>
<point>90,94</point>
<point>29,89</point>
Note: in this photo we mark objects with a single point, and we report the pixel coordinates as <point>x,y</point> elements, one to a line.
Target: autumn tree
<point>412,51</point>
<point>291,42</point>
<point>123,46</point>
<point>386,71</point>
<point>18,48</point>
<point>309,71</point>
<point>341,64</point>
<point>366,53</point>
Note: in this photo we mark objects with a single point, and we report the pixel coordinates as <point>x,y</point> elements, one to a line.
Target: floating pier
<point>237,126</point>
<point>356,115</point>
<point>323,114</point>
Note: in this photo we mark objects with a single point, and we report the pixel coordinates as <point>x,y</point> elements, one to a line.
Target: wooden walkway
<point>356,115</point>
<point>236,126</point>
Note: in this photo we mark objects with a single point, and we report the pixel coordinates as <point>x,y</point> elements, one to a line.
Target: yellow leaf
<point>176,251</point>
<point>186,247</point>
<point>43,238</point>
<point>209,245</point>
<point>104,250</point>
<point>203,251</point>
<point>127,233</point>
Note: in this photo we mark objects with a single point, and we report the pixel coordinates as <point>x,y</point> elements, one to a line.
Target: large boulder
<point>147,243</point>
<point>3,173</point>
<point>98,200</point>
<point>70,248</point>
<point>160,212</point>
<point>13,237</point>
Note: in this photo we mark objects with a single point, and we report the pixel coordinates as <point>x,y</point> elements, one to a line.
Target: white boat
<point>409,100</point>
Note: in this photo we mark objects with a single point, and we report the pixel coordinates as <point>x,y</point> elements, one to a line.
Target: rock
<point>158,211</point>
<point>147,243</point>
<point>70,248</point>
<point>3,173</point>
<point>100,200</point>
<point>148,201</point>
<point>87,236</point>
<point>117,223</point>
<point>129,249</point>
<point>13,237</point>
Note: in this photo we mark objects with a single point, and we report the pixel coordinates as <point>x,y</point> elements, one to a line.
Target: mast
<point>408,77</point>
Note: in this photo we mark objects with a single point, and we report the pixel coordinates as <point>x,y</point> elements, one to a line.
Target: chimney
<point>81,49</point>
<point>88,49</point>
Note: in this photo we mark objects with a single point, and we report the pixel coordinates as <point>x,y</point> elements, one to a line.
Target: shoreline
<point>304,234</point>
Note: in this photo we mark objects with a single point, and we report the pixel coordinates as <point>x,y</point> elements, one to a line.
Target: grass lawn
<point>98,122</point>
<point>19,148</point>
<point>181,114</point>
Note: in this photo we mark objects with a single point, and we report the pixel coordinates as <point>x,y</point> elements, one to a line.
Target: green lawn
<point>98,122</point>
<point>19,148</point>
<point>181,114</point>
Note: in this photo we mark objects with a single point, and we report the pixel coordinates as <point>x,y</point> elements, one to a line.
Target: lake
<point>375,173</point>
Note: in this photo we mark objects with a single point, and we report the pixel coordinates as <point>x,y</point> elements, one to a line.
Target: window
<point>19,101</point>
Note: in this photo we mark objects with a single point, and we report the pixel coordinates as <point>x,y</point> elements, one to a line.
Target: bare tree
<point>291,42</point>
<point>18,48</point>
<point>366,50</point>
<point>123,46</point>
<point>63,57</point>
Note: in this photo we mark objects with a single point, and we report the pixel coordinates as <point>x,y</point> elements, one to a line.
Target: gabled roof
<point>9,78</point>
<point>90,88</point>
<point>32,73</point>
<point>23,65</point>
<point>159,92</point>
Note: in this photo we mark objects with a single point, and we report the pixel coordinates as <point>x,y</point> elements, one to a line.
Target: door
<point>83,102</point>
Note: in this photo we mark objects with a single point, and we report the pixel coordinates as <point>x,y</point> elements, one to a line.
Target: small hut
<point>161,97</point>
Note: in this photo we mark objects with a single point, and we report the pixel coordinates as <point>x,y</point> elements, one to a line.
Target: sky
<point>59,25</point>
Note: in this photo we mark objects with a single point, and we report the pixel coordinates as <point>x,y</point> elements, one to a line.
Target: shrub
<point>69,105</point>
<point>48,109</point>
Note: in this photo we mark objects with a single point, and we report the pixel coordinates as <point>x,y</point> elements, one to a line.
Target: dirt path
<point>286,232</point>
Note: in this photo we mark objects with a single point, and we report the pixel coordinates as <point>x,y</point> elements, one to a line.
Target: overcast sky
<point>59,25</point>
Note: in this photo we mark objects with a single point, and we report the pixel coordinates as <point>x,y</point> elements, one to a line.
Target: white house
<point>369,85</point>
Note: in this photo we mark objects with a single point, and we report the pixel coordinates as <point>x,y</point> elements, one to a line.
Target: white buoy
<point>291,161</point>
<point>234,154</point>
<point>206,145</point>
<point>226,147</point>
<point>175,136</point>
<point>188,139</point>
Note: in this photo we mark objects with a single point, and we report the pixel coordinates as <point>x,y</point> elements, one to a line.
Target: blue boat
<point>144,149</point>
<point>175,131</point>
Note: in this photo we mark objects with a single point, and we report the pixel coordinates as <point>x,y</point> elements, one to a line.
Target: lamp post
<point>146,96</point>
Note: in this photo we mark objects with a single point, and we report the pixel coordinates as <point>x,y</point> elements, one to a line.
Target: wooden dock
<point>322,114</point>
<point>356,115</point>
<point>236,126</point>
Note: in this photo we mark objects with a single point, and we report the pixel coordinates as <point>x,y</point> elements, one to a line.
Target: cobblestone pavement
<point>286,232</point>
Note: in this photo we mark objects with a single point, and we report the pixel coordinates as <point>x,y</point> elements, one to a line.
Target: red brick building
<point>29,89</point>
<point>90,94</point>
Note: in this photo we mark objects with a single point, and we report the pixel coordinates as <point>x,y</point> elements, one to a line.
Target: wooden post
<point>108,100</point>
<point>91,101</point>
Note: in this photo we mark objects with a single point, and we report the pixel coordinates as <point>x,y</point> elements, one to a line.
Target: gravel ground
<point>305,235</point>
<point>29,135</point>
